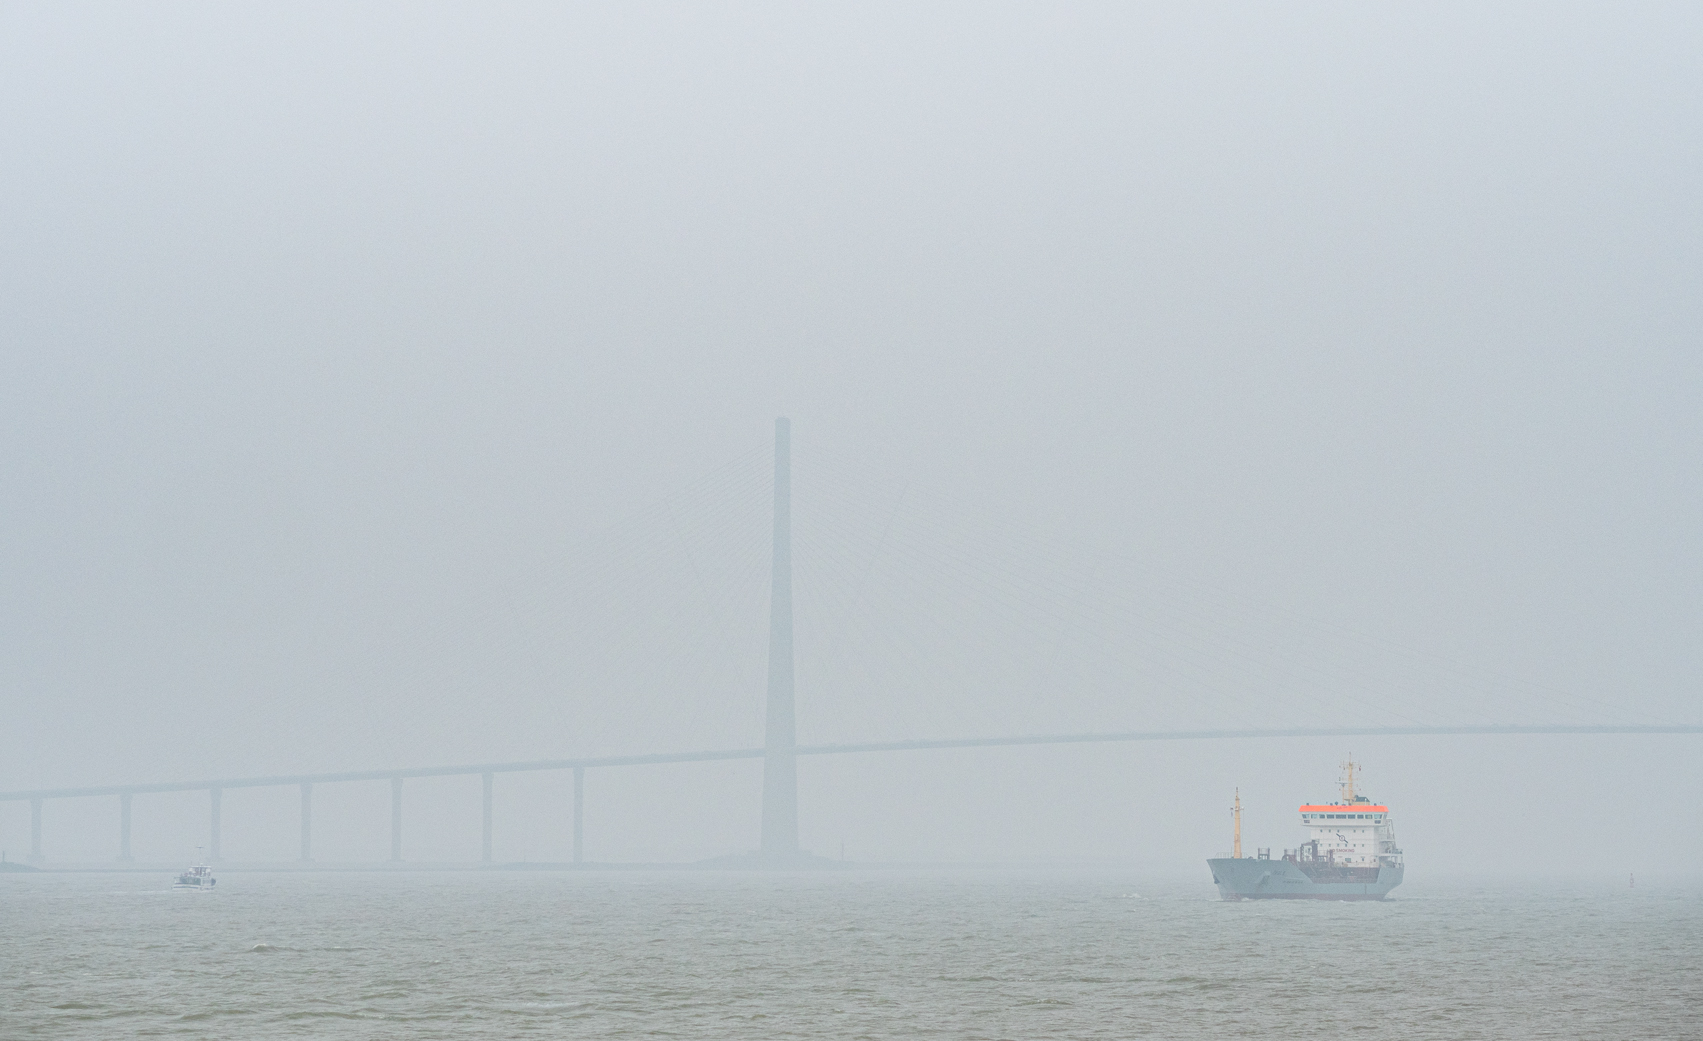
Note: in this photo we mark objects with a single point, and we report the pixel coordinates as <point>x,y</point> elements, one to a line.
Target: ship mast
<point>1348,779</point>
<point>1236,846</point>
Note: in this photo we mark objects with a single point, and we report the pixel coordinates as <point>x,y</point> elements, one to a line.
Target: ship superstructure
<point>1350,854</point>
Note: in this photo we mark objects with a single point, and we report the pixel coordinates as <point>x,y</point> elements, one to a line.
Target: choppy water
<point>873,955</point>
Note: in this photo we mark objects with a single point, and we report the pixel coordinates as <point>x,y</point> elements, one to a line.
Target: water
<point>856,955</point>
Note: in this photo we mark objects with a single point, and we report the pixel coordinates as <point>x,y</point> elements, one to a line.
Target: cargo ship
<point>1351,854</point>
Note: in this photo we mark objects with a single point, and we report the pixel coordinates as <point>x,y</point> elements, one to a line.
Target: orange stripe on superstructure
<point>1345,809</point>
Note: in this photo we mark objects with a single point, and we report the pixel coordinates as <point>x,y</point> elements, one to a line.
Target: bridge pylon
<point>780,744</point>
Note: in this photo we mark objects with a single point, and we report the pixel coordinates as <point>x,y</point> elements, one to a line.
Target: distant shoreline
<point>729,865</point>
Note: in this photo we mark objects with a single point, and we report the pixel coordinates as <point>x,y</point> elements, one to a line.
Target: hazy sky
<point>340,341</point>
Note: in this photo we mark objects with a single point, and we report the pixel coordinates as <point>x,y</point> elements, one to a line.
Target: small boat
<point>199,878</point>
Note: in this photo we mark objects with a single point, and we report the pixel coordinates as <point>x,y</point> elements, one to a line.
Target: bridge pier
<point>124,827</point>
<point>396,819</point>
<point>35,830</point>
<point>579,814</point>
<point>307,821</point>
<point>215,795</point>
<point>489,778</point>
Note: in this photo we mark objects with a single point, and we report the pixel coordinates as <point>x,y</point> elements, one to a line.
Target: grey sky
<point>334,341</point>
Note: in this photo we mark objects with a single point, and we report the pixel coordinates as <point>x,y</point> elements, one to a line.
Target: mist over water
<point>385,392</point>
<point>389,387</point>
<point>990,954</point>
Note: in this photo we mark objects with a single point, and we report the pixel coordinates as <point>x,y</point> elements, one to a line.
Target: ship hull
<point>1248,878</point>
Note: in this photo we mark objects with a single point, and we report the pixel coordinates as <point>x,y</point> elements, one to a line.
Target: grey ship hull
<point>1248,878</point>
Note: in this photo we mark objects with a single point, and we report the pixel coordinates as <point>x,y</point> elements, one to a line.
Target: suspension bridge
<point>779,752</point>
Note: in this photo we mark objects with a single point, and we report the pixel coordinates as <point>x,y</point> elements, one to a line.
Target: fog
<point>395,387</point>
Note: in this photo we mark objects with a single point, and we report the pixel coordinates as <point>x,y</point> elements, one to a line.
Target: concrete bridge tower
<point>780,758</point>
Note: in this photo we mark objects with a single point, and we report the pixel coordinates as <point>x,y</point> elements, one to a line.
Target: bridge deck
<point>827,749</point>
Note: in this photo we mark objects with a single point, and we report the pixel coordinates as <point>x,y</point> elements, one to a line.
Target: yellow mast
<point>1348,779</point>
<point>1236,848</point>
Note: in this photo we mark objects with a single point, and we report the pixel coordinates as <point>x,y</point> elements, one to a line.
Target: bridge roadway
<point>283,780</point>
<point>215,787</point>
